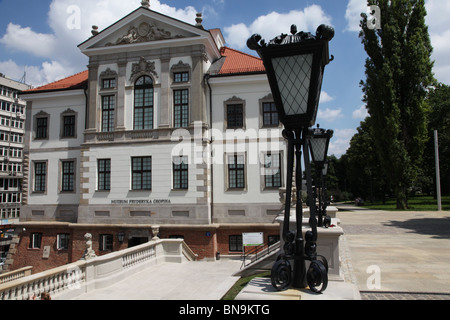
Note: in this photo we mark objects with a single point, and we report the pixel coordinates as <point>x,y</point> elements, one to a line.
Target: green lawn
<point>418,203</point>
<point>241,283</point>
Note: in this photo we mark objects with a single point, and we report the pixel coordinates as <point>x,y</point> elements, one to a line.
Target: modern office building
<point>168,131</point>
<point>12,128</point>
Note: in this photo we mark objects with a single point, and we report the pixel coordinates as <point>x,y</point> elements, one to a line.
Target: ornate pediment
<point>108,73</point>
<point>145,32</point>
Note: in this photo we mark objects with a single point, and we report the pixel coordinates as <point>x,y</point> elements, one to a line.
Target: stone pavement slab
<point>197,280</point>
<point>398,251</point>
<point>262,289</point>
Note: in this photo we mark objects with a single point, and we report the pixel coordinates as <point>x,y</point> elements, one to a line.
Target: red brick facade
<point>23,255</point>
<point>205,241</point>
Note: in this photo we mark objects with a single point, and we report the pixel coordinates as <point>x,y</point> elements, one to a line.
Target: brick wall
<point>225,233</point>
<point>204,241</point>
<point>25,256</point>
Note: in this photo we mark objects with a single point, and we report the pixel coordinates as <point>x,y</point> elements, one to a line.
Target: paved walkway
<point>199,280</point>
<point>398,255</point>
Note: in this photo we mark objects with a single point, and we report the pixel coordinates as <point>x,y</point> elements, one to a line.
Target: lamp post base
<point>299,280</point>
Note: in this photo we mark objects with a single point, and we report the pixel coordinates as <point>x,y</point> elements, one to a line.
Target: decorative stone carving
<point>141,68</point>
<point>199,20</point>
<point>89,253</point>
<point>180,66</point>
<point>108,73</point>
<point>41,113</point>
<point>155,232</point>
<point>69,111</point>
<point>282,193</point>
<point>94,30</point>
<point>145,32</point>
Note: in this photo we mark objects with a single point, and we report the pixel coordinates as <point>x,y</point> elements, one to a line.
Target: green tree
<point>366,179</point>
<point>398,73</point>
<point>439,119</point>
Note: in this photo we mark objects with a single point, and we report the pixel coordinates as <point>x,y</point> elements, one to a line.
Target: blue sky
<point>41,38</point>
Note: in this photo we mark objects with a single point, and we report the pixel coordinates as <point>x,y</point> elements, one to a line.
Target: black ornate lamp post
<point>318,145</point>
<point>295,64</point>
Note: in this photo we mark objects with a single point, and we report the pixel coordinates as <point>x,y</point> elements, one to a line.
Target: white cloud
<point>274,23</point>
<point>26,40</point>
<point>329,115</point>
<point>361,113</point>
<point>37,75</point>
<point>340,141</point>
<point>325,97</point>
<point>439,30</point>
<point>71,22</point>
<point>10,69</point>
<point>237,35</point>
<point>353,14</point>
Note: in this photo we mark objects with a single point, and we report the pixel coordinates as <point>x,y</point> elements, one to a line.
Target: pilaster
<point>120,104</point>
<point>166,97</point>
<point>198,98</point>
<point>92,97</point>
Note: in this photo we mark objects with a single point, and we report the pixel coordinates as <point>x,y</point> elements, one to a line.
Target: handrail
<point>188,253</point>
<point>16,274</point>
<point>262,250</point>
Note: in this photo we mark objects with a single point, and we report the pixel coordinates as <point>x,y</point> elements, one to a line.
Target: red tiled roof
<point>76,81</point>
<point>234,62</point>
<point>239,62</point>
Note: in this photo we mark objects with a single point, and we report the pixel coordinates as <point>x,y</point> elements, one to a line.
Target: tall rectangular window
<point>272,170</point>
<point>62,240</point>
<point>143,104</point>
<point>180,172</point>
<point>109,83</point>
<point>236,171</point>
<point>40,176</point>
<point>235,243</point>
<point>104,174</point>
<point>181,108</point>
<point>106,242</point>
<point>181,76</point>
<point>235,116</point>
<point>108,107</point>
<point>141,173</point>
<point>35,240</point>
<point>68,176</point>
<point>270,114</point>
<point>68,126</point>
<point>41,128</point>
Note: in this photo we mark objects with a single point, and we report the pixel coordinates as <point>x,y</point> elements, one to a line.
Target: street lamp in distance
<point>318,144</point>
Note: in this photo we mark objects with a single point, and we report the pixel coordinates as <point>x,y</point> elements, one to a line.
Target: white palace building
<point>167,132</point>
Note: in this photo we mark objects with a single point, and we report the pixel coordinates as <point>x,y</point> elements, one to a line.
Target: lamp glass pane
<point>318,146</point>
<point>325,169</point>
<point>293,75</point>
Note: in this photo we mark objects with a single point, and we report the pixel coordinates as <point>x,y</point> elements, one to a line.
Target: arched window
<point>143,103</point>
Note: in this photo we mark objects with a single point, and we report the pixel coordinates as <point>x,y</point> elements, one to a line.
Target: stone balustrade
<point>89,274</point>
<point>16,274</point>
